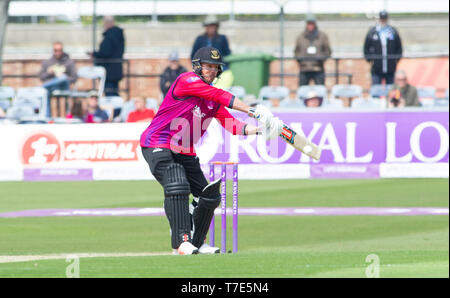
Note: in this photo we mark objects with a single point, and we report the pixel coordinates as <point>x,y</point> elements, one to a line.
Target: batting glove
<point>274,128</point>
<point>262,114</point>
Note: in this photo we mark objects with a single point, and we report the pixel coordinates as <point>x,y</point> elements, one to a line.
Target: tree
<point>4,5</point>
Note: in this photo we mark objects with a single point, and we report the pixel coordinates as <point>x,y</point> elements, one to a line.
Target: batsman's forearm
<point>239,105</point>
<point>252,130</point>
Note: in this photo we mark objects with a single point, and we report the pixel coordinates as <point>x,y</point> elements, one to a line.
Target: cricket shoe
<point>208,250</point>
<point>186,248</point>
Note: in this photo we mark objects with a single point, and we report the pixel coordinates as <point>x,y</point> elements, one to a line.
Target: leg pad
<point>176,204</point>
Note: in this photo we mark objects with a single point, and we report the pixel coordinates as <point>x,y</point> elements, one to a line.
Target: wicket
<point>223,248</point>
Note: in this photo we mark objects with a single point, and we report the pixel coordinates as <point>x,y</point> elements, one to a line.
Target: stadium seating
<point>32,120</point>
<point>127,108</point>
<point>380,91</point>
<point>302,91</point>
<point>342,93</point>
<point>369,103</point>
<point>443,101</point>
<point>18,112</point>
<point>266,103</point>
<point>33,97</point>
<point>276,92</point>
<point>238,91</point>
<point>426,96</point>
<point>347,91</point>
<point>112,104</point>
<point>6,95</point>
<point>93,73</point>
<point>7,92</point>
<point>152,103</point>
<point>62,120</point>
<point>269,93</point>
<point>295,103</point>
<point>332,104</point>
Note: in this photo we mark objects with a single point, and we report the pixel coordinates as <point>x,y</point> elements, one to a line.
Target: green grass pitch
<point>269,246</point>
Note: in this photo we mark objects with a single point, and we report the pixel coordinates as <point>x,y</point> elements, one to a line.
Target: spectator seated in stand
<point>76,113</point>
<point>313,100</point>
<point>402,93</point>
<point>141,114</point>
<point>94,114</point>
<point>57,73</point>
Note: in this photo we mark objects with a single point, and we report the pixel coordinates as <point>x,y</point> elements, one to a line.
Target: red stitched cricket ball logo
<point>41,148</point>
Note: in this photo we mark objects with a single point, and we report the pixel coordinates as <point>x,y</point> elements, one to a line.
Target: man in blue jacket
<point>110,55</point>
<point>211,38</point>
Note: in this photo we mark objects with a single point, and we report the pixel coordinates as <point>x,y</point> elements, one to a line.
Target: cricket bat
<point>300,142</point>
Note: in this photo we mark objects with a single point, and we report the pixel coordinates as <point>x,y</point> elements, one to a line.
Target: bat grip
<point>251,113</point>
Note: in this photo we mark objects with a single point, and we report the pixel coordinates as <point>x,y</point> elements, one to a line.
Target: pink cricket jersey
<point>185,114</point>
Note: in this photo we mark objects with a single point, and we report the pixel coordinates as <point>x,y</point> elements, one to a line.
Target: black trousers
<point>112,88</point>
<point>317,76</point>
<point>378,77</point>
<point>159,159</point>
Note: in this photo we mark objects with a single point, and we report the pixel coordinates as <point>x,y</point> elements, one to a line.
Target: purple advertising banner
<point>345,171</point>
<point>58,174</point>
<point>346,138</point>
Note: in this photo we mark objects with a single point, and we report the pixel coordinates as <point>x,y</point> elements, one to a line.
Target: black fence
<point>335,73</point>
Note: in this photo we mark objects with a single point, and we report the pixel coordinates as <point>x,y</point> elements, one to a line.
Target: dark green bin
<point>250,70</point>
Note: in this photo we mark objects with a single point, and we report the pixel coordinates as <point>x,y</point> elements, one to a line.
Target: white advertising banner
<point>355,145</point>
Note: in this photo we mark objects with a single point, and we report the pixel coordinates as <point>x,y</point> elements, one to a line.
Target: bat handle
<point>251,113</point>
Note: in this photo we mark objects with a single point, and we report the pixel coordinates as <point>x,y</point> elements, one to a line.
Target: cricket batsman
<point>168,147</point>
